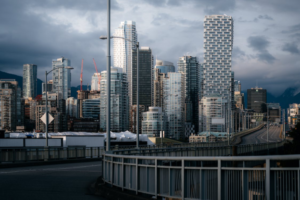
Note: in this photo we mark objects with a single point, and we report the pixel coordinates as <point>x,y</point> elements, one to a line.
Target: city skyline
<point>266,36</point>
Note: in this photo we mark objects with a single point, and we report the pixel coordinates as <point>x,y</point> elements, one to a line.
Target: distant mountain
<point>19,79</point>
<point>289,96</point>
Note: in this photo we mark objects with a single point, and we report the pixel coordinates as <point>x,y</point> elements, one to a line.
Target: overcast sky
<point>266,47</point>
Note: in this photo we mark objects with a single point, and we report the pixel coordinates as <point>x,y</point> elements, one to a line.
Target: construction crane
<point>99,76</point>
<point>81,75</point>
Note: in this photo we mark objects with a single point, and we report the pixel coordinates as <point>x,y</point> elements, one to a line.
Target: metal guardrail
<point>197,150</point>
<point>214,178</point>
<point>13,155</point>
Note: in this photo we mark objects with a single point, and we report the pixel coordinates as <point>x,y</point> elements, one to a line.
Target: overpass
<point>260,136</point>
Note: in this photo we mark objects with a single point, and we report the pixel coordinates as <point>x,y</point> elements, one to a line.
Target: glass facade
<point>212,107</point>
<point>188,66</point>
<point>91,108</point>
<point>164,66</point>
<point>72,107</point>
<point>61,78</point>
<point>256,99</point>
<point>152,122</point>
<point>145,77</point>
<point>123,44</point>
<point>119,101</point>
<point>29,81</point>
<point>173,104</point>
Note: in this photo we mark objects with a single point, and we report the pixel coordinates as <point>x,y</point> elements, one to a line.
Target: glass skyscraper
<point>188,66</point>
<point>29,81</point>
<point>145,77</point>
<point>119,100</point>
<point>173,104</point>
<point>61,78</point>
<point>164,66</point>
<point>123,44</point>
<point>161,70</point>
<point>91,108</point>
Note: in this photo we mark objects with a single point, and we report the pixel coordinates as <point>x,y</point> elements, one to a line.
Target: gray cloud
<point>237,52</point>
<point>265,17</point>
<point>26,38</point>
<point>291,47</point>
<point>260,44</point>
<point>210,7</point>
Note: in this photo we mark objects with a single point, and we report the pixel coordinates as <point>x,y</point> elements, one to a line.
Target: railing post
<point>0,155</point>
<point>67,149</point>
<point>219,179</point>
<point>182,179</point>
<point>136,176</point>
<point>122,173</point>
<point>155,179</point>
<point>14,155</point>
<point>268,176</point>
<point>75,152</point>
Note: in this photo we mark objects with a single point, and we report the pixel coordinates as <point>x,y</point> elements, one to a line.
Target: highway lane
<point>60,181</point>
<point>261,136</point>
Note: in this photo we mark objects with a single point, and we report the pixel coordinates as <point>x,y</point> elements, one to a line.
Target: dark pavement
<point>60,181</point>
<point>261,136</point>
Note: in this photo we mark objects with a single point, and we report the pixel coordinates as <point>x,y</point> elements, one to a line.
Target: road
<point>60,181</point>
<point>261,136</point>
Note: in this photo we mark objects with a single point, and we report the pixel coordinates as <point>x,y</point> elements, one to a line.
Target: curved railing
<point>221,178</point>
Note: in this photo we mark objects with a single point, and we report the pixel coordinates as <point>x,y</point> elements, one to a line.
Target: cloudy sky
<point>266,35</point>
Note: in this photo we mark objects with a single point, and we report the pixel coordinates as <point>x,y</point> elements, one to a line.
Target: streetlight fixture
<point>46,103</point>
<point>137,88</point>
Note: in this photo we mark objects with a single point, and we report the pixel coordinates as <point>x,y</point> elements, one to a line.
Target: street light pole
<point>137,95</point>
<point>46,84</point>
<point>108,80</point>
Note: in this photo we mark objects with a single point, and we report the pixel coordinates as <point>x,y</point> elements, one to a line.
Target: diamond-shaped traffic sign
<point>50,118</point>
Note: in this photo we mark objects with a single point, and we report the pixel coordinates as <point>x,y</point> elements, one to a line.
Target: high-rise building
<point>124,42</point>
<point>257,99</point>
<point>11,114</point>
<point>160,71</point>
<point>237,86</point>
<point>61,77</point>
<point>49,86</point>
<point>29,81</point>
<point>293,113</point>
<point>274,112</point>
<point>173,104</point>
<point>72,107</point>
<point>145,77</point>
<point>218,79</point>
<point>188,66</point>
<point>153,122</point>
<point>57,108</point>
<point>119,101</point>
<point>91,108</point>
<point>164,66</point>
<point>95,85</point>
<point>132,118</point>
<point>212,108</point>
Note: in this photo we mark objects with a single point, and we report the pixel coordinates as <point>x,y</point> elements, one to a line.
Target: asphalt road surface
<point>261,136</point>
<point>60,181</point>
